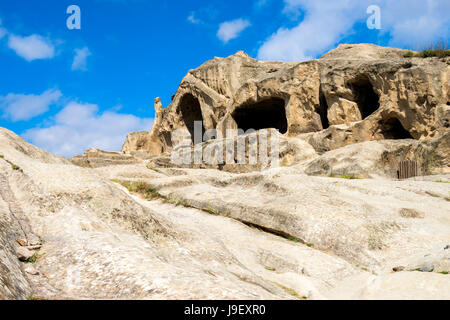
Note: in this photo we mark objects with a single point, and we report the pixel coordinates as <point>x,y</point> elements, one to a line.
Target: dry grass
<point>141,188</point>
<point>439,50</point>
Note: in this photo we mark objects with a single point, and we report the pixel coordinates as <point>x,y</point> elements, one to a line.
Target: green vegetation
<point>35,298</point>
<point>293,239</point>
<point>270,268</point>
<point>439,50</point>
<point>444,272</point>
<point>291,291</point>
<point>352,176</point>
<point>177,201</point>
<point>349,176</point>
<point>440,53</point>
<point>13,166</point>
<point>310,245</point>
<point>210,210</point>
<point>141,188</point>
<point>35,257</point>
<point>408,54</point>
<point>441,181</point>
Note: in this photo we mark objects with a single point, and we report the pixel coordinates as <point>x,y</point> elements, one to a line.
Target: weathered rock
<point>94,158</point>
<point>427,268</point>
<point>137,141</point>
<point>244,153</point>
<point>379,157</point>
<point>31,270</point>
<point>101,242</point>
<point>22,242</point>
<point>23,254</point>
<point>355,93</point>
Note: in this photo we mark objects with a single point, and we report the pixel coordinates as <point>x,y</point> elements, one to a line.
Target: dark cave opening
<point>191,112</point>
<point>269,113</point>
<point>323,110</point>
<point>393,129</point>
<point>366,98</point>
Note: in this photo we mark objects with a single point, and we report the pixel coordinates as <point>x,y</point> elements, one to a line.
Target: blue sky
<point>68,90</point>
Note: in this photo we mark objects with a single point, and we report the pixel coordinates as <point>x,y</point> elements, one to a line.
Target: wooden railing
<point>407,169</point>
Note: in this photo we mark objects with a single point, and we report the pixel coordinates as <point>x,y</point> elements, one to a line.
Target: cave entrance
<point>366,98</point>
<point>323,110</point>
<point>393,129</point>
<point>269,113</point>
<point>191,112</point>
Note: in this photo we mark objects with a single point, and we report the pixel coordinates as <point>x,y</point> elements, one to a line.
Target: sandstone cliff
<point>353,94</point>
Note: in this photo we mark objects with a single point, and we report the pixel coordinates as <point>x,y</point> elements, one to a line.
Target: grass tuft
<point>441,181</point>
<point>293,239</point>
<point>291,291</point>
<point>141,188</point>
<point>438,50</point>
<point>35,257</point>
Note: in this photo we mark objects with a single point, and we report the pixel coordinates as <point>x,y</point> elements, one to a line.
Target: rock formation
<point>71,232</point>
<point>353,94</point>
<point>329,221</point>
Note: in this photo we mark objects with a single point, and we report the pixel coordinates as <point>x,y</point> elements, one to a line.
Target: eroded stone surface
<point>373,91</point>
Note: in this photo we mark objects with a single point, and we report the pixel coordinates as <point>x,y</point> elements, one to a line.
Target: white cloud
<point>231,29</point>
<point>80,126</point>
<point>80,59</point>
<point>192,19</point>
<point>32,47</point>
<point>409,23</point>
<point>18,107</point>
<point>416,23</point>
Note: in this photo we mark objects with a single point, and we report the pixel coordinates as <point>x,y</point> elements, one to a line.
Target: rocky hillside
<point>139,231</point>
<point>330,216</point>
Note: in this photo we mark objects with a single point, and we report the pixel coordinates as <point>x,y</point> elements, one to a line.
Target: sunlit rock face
<point>375,91</point>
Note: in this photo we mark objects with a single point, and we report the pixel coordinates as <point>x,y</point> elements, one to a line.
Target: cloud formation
<point>409,23</point>
<point>32,47</point>
<point>80,59</point>
<point>192,19</point>
<point>79,126</point>
<point>232,29</point>
<point>23,107</point>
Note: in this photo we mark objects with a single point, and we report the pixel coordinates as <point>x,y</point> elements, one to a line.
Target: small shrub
<point>35,257</point>
<point>439,53</point>
<point>270,268</point>
<point>15,167</point>
<point>444,272</point>
<point>212,211</point>
<point>293,239</point>
<point>310,245</point>
<point>439,50</point>
<point>141,188</point>
<point>1,156</point>
<point>408,54</point>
